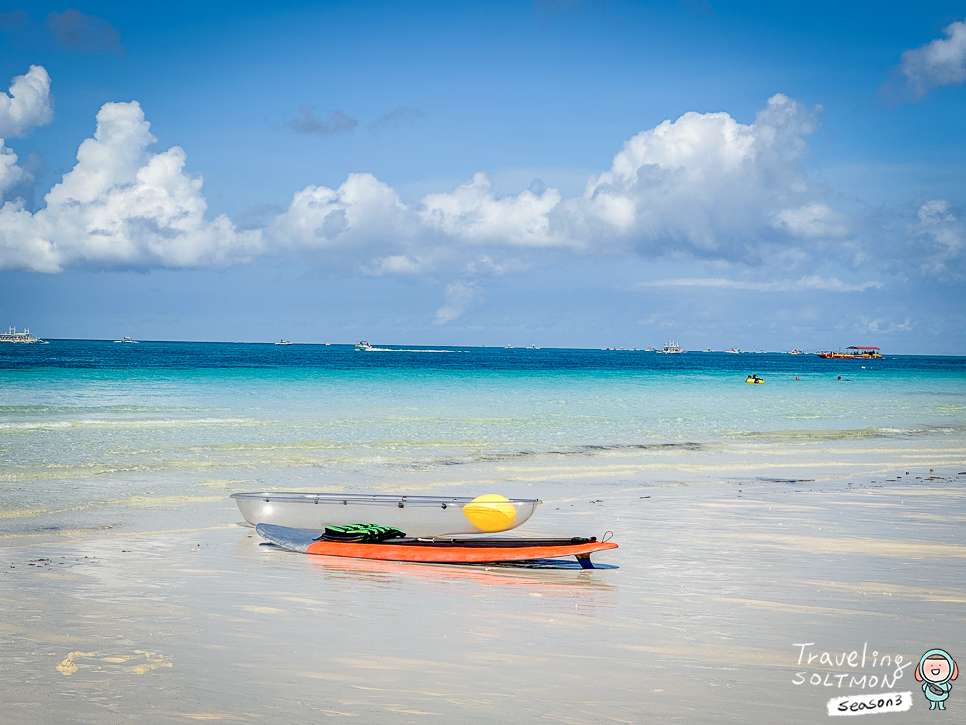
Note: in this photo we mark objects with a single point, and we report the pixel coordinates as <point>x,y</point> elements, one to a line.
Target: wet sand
<point>697,617</point>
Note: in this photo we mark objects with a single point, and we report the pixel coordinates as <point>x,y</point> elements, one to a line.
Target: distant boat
<point>363,345</point>
<point>13,336</point>
<point>734,351</point>
<point>532,347</point>
<point>128,339</point>
<point>852,353</point>
<point>283,342</point>
<point>672,348</point>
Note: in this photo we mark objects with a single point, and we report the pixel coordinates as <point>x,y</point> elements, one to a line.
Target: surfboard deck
<point>437,551</point>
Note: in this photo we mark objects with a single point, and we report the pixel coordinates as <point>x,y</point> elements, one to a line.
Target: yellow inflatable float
<point>490,512</point>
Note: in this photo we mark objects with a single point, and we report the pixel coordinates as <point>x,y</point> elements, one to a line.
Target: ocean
<point>751,520</point>
<point>90,428</point>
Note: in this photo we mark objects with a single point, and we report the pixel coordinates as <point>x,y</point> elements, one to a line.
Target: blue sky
<point>557,172</point>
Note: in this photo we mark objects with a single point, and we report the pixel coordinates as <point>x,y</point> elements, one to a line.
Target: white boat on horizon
<point>13,336</point>
<point>363,345</point>
<point>283,342</point>
<point>672,348</point>
<point>128,340</point>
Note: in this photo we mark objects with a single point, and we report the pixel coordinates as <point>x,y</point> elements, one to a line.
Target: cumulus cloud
<point>84,33</point>
<point>473,214</point>
<point>28,105</point>
<point>122,206</point>
<point>805,284</point>
<point>939,240</point>
<point>363,213</point>
<point>394,264</point>
<point>459,296</point>
<point>813,221</point>
<point>10,173</point>
<point>705,185</point>
<point>308,123</point>
<point>940,62</point>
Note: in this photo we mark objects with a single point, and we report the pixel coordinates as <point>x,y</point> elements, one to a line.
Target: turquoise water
<point>84,424</point>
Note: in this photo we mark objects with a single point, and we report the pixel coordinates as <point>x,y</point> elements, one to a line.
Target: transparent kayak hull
<point>417,516</point>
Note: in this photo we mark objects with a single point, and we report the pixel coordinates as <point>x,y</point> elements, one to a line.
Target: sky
<point>563,173</point>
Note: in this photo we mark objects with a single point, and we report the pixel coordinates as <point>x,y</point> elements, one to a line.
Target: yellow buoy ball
<point>491,512</point>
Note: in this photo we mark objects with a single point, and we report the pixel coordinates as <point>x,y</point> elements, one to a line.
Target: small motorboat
<point>417,516</point>
<point>436,550</point>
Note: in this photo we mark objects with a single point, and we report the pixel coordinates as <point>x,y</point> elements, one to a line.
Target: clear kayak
<point>417,516</point>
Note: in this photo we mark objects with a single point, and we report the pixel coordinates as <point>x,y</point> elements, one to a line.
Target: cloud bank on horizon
<point>702,187</point>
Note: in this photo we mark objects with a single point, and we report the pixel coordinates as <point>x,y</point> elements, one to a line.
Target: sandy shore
<point>713,589</point>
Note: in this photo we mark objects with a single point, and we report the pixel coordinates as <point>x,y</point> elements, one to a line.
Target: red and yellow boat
<point>853,352</point>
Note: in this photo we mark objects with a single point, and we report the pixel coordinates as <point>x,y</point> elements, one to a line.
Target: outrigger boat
<point>853,352</point>
<point>13,336</point>
<point>437,551</point>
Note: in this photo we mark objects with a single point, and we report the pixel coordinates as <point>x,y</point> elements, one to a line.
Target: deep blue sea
<point>87,424</point>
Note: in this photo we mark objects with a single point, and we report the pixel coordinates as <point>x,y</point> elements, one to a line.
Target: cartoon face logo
<point>936,671</point>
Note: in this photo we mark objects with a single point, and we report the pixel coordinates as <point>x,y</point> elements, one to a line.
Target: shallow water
<point>84,424</point>
<point>749,517</point>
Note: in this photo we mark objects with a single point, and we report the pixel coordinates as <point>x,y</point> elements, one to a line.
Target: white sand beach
<point>701,615</point>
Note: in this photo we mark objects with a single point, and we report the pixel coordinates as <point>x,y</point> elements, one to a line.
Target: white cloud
<point>882,326</point>
<point>394,264</point>
<point>806,283</point>
<point>813,221</point>
<point>941,62</point>
<point>361,216</point>
<point>474,215</point>
<point>121,206</point>
<point>459,296</point>
<point>940,240</point>
<point>28,105</point>
<point>703,185</point>
<point>10,173</point>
